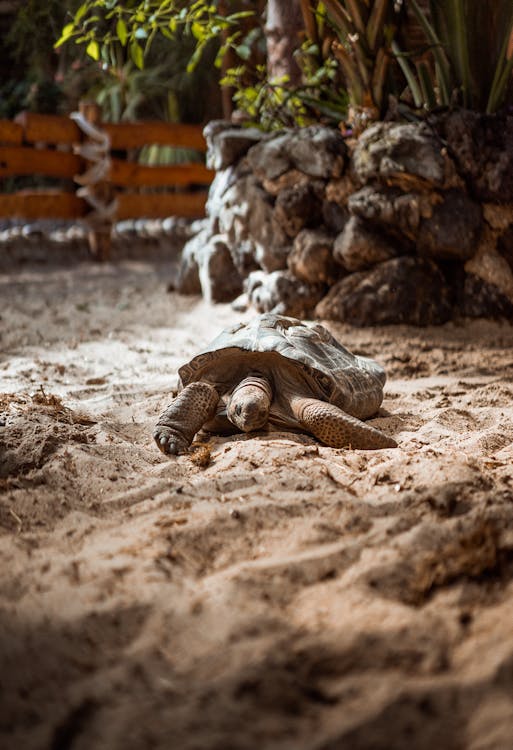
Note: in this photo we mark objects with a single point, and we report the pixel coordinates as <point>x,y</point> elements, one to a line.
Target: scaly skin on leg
<point>337,429</point>
<point>187,414</point>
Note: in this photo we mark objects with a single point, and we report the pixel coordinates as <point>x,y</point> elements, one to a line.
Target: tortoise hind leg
<point>187,414</point>
<point>337,429</point>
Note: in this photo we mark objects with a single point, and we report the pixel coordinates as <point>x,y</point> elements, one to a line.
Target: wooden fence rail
<point>57,147</point>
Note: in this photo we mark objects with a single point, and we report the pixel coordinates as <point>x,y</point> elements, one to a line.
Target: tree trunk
<point>283,28</point>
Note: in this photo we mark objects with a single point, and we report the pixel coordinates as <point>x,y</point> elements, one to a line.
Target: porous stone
<point>483,300</point>
<point>188,281</point>
<point>220,281</point>
<point>491,267</point>
<point>317,151</point>
<point>498,216</point>
<point>408,155</point>
<point>269,159</point>
<point>339,190</point>
<point>453,229</point>
<point>334,216</point>
<point>226,144</point>
<point>291,179</point>
<point>411,190</point>
<point>253,234</point>
<point>207,268</point>
<point>393,208</point>
<point>482,148</point>
<point>312,258</point>
<point>282,293</point>
<point>505,246</point>
<point>402,290</point>
<point>360,246</point>
<point>222,182</point>
<point>299,206</point>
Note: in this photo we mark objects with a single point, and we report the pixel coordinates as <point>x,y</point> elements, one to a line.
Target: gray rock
<point>390,206</point>
<point>404,154</point>
<point>188,281</point>
<point>360,246</point>
<point>299,206</point>
<point>207,268</point>
<point>289,179</point>
<point>402,290</point>
<point>317,151</point>
<point>219,186</point>
<point>453,230</point>
<point>482,148</point>
<point>227,144</point>
<point>282,293</point>
<point>491,266</point>
<point>179,228</point>
<point>270,159</point>
<point>219,279</point>
<point>253,234</point>
<point>481,299</point>
<point>339,190</point>
<point>311,259</point>
<point>334,216</point>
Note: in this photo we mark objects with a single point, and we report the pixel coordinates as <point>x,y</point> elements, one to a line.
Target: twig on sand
<point>17,519</point>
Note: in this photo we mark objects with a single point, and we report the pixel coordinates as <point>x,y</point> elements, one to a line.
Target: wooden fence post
<point>96,190</point>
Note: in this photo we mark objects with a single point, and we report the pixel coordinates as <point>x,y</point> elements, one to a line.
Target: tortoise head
<point>249,404</point>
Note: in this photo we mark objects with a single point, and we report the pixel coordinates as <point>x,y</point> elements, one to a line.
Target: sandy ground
<point>265,591</point>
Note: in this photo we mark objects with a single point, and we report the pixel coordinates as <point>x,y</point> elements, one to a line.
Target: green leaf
<point>137,54</point>
<point>241,14</point>
<point>198,31</point>
<point>243,51</point>
<point>67,32</point>
<point>426,85</point>
<point>195,57</point>
<point>81,12</point>
<point>376,22</point>
<point>409,74</point>
<point>121,31</point>
<point>502,76</point>
<point>93,49</point>
<point>442,64</point>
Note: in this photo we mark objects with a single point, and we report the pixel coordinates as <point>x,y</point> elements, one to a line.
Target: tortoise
<point>276,371</point>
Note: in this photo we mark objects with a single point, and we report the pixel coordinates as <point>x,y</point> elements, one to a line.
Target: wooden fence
<point>112,186</point>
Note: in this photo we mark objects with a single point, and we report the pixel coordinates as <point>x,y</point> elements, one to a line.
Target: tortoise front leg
<point>187,414</point>
<point>337,429</point>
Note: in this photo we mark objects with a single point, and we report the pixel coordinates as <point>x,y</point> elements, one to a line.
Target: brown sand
<point>266,591</point>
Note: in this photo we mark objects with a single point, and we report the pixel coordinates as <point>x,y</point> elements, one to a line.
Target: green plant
<point>30,65</point>
<point>145,47</point>
<point>468,64</point>
<point>161,90</point>
<point>271,103</point>
<point>364,30</point>
<point>101,24</point>
<point>352,57</point>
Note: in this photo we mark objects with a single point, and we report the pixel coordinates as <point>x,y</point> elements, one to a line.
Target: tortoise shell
<point>293,351</point>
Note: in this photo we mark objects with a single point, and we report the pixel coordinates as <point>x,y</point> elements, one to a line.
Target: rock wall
<point>411,223</point>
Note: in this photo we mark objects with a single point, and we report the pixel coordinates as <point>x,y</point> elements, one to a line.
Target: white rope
<point>96,151</point>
